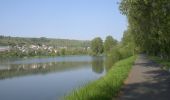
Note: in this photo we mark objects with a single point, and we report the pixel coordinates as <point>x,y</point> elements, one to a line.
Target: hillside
<point>12,41</point>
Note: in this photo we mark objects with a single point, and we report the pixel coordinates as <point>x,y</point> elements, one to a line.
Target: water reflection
<point>109,61</point>
<point>97,64</point>
<point>13,70</point>
<point>50,77</point>
<point>10,69</point>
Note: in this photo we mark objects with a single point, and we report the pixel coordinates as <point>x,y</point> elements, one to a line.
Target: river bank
<point>106,87</point>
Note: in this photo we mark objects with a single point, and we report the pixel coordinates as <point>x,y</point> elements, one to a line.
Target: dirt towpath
<point>146,81</point>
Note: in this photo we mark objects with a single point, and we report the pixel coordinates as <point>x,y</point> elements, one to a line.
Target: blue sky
<point>68,19</point>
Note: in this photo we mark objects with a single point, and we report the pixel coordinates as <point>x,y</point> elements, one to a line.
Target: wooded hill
<point>12,41</point>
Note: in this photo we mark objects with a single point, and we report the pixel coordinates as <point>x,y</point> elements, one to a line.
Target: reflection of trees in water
<point>97,64</point>
<point>14,70</point>
<point>108,63</point>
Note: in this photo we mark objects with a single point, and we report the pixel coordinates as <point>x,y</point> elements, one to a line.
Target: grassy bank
<point>106,87</point>
<point>164,62</point>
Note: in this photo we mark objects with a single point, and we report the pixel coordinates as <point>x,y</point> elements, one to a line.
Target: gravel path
<point>146,81</point>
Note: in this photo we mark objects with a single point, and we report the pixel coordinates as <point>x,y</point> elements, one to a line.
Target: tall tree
<point>149,24</point>
<point>97,46</point>
<point>109,43</point>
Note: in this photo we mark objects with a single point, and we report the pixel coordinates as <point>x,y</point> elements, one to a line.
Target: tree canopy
<point>149,25</point>
<point>97,46</point>
<point>109,43</point>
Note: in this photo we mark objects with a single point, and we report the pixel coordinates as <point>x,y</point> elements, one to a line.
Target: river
<point>48,78</point>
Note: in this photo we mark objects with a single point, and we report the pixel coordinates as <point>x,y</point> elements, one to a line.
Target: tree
<point>97,46</point>
<point>149,24</point>
<point>63,51</point>
<point>109,43</point>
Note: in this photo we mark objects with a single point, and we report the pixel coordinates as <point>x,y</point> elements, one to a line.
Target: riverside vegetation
<point>106,87</point>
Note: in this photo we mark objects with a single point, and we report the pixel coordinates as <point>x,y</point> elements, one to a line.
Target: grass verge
<point>165,63</point>
<point>106,87</point>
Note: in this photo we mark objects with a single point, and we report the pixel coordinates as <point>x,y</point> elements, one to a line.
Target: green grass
<point>106,87</point>
<point>164,62</point>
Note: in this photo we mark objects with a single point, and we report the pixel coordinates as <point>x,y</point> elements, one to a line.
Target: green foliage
<point>63,51</point>
<point>97,46</point>
<point>109,43</point>
<point>12,41</point>
<point>149,22</point>
<point>106,87</point>
<point>123,49</point>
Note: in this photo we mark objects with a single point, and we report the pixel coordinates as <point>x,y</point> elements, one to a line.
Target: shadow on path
<point>146,81</point>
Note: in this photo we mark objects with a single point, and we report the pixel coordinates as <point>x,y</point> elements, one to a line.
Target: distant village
<point>37,49</point>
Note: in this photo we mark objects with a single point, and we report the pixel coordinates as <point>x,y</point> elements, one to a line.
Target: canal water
<point>48,78</point>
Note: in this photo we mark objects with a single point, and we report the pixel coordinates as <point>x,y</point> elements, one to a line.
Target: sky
<point>64,19</point>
